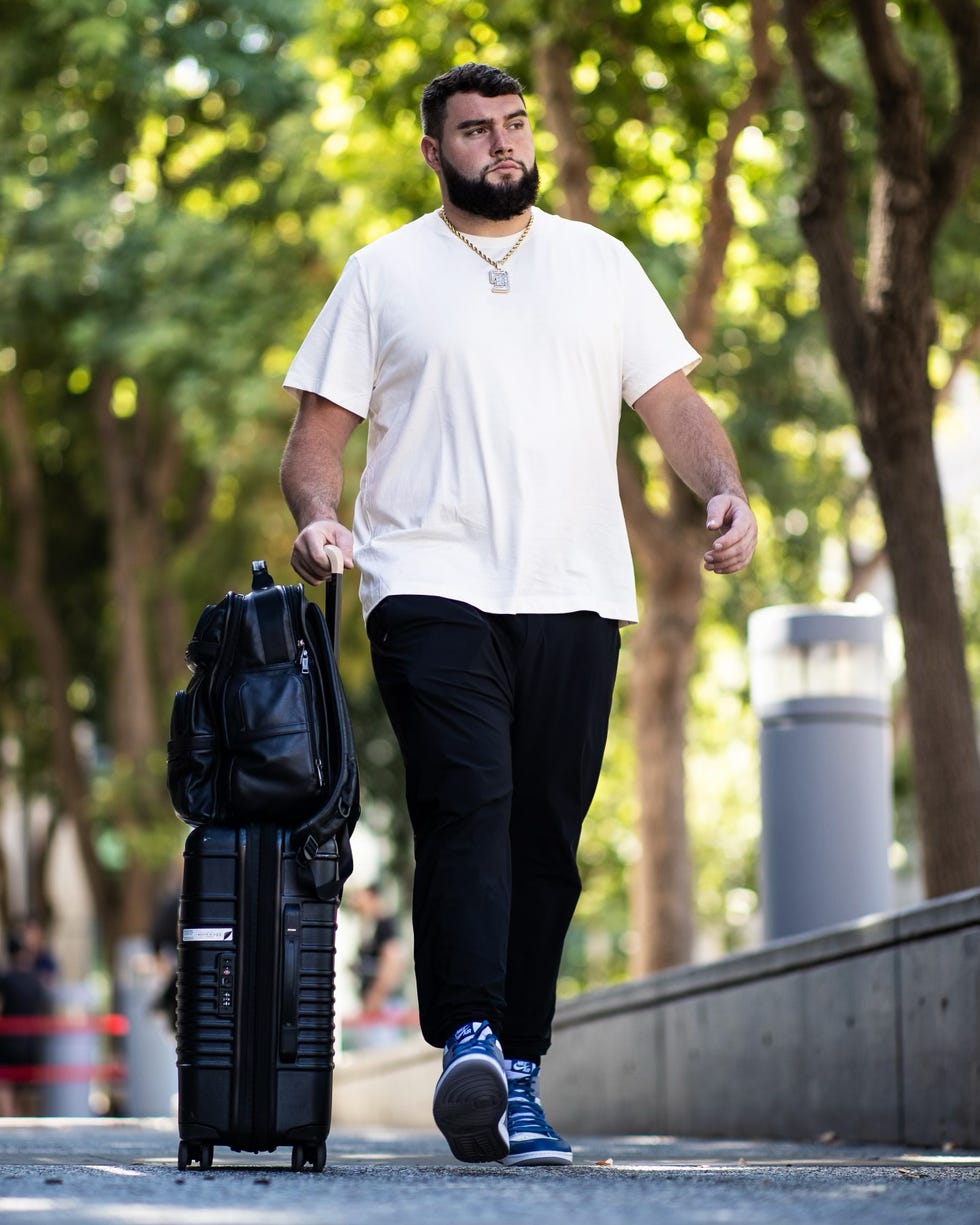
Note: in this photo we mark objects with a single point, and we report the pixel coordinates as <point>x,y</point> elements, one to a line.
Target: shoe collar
<point>520,1068</point>
<point>471,1029</point>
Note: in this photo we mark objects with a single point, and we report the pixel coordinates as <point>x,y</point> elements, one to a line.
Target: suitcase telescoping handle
<point>331,593</point>
<point>289,1010</point>
<point>261,579</point>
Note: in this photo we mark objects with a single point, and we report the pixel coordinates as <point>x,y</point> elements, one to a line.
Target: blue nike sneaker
<point>532,1140</point>
<point>470,1101</point>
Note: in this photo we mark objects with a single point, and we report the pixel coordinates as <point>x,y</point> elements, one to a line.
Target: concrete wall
<point>869,1031</point>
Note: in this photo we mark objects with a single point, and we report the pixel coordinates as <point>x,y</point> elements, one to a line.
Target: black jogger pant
<point>501,721</point>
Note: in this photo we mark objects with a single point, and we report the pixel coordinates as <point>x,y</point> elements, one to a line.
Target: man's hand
<point>310,559</point>
<point>733,549</point>
<point>698,450</point>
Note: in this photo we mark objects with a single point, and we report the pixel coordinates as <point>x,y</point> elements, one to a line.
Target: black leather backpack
<point>262,733</point>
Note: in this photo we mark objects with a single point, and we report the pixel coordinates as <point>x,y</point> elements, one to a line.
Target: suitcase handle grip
<point>289,1013</point>
<point>336,558</point>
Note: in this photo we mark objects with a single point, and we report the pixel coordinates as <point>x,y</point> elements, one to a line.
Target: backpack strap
<point>327,870</point>
<point>314,841</point>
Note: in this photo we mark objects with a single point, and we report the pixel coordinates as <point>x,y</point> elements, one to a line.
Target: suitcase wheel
<point>188,1153</point>
<point>315,1154</point>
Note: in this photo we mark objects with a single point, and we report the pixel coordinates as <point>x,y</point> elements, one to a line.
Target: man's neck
<point>483,227</point>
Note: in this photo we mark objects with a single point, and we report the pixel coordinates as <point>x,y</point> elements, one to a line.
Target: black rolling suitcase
<point>259,897</point>
<point>255,997</point>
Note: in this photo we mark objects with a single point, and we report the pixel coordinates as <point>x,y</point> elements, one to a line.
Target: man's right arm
<point>312,477</point>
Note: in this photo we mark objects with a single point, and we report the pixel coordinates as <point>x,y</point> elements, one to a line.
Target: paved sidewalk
<point>125,1170</point>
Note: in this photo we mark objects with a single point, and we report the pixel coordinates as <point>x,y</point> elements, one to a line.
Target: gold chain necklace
<point>499,277</point>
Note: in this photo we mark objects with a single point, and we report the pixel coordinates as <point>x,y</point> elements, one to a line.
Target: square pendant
<point>499,281</point>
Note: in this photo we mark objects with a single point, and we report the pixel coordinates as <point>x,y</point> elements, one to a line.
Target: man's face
<point>486,156</point>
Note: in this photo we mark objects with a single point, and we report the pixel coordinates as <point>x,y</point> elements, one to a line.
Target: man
<point>490,346</point>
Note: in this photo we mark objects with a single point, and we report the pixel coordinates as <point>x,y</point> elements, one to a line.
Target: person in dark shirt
<point>37,956</point>
<point>163,941</point>
<point>22,994</point>
<point>380,966</point>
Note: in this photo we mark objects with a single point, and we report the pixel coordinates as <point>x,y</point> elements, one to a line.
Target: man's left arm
<point>697,448</point>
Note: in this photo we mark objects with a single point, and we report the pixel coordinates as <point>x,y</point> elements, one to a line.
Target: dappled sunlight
<point>182,188</point>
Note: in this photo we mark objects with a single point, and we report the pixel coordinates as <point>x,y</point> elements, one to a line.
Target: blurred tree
<point>666,126</point>
<point>667,542</point>
<point>155,166</point>
<point>645,127</point>
<point>896,136</point>
<point>181,188</point>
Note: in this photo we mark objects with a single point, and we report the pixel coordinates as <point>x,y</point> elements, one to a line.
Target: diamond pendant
<point>499,280</point>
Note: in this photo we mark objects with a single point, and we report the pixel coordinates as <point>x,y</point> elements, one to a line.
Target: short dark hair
<point>480,79</point>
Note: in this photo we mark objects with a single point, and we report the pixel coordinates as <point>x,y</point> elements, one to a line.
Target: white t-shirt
<point>492,418</point>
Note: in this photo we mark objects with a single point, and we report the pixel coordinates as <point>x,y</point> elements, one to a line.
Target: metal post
<point>819,688</point>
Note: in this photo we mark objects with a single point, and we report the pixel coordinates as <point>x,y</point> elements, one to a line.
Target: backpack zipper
<point>304,667</point>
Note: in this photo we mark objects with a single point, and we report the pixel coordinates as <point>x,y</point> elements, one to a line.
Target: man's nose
<point>501,141</point>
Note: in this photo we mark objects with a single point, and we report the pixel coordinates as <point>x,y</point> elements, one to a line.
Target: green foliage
<point>152,165</point>
<point>179,189</point>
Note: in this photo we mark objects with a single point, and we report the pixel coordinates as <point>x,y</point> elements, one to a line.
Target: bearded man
<point>490,347</point>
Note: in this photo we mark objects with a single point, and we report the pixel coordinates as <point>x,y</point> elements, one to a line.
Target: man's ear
<point>430,151</point>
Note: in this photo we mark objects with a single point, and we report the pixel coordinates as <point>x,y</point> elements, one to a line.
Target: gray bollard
<point>819,688</point>
<point>69,1052</point>
<point>150,1045</point>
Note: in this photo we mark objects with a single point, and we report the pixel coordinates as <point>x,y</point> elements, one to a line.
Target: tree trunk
<point>29,588</point>
<point>163,457</point>
<point>135,731</point>
<point>136,547</point>
<point>667,548</point>
<point>668,552</point>
<point>881,334</point>
<point>940,707</point>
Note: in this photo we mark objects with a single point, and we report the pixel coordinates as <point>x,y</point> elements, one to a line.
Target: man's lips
<point>505,165</point>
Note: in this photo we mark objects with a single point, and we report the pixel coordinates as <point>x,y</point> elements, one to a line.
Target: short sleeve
<point>653,344</point>
<point>337,360</point>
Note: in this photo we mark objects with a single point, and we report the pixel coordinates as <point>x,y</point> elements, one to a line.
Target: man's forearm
<point>691,438</point>
<point>704,460</point>
<point>312,472</point>
<point>311,485</point>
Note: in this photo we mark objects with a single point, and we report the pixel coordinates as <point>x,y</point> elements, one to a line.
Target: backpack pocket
<point>192,763</point>
<point>275,772</point>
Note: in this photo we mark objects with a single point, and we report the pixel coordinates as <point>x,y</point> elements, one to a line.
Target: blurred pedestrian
<point>23,996</point>
<point>29,933</point>
<point>163,940</point>
<point>380,966</point>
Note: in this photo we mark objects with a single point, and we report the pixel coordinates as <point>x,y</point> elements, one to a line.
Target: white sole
<point>545,1157</point>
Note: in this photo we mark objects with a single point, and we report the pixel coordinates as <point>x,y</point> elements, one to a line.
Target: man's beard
<point>494,201</point>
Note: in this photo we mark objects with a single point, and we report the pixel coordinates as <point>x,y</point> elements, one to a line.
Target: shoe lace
<point>524,1110</point>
